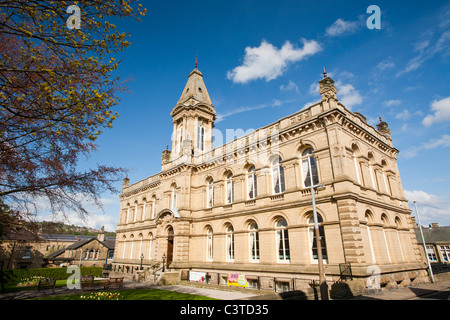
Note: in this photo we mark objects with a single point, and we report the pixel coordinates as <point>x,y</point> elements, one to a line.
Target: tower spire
<point>324,72</point>
<point>196,60</point>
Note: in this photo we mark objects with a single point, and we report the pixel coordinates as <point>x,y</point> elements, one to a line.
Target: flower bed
<point>29,282</point>
<point>102,296</point>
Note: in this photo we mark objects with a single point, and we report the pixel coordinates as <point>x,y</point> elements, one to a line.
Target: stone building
<point>245,207</point>
<point>437,243</point>
<point>85,252</point>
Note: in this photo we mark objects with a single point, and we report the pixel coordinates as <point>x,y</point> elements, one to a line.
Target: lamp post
<point>164,261</point>
<point>142,258</point>
<point>322,281</point>
<point>424,244</point>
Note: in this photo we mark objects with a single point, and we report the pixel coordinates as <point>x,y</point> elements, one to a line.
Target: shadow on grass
<point>135,294</point>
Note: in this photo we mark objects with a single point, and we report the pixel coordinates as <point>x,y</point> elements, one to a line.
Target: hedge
<point>17,275</point>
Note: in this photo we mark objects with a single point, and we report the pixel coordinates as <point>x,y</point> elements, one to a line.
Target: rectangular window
<point>431,254</point>
<point>26,253</point>
<point>445,250</point>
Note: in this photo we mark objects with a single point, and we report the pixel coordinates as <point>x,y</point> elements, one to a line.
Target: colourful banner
<point>237,280</point>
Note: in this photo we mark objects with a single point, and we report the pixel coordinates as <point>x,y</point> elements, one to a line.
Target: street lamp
<point>164,261</point>
<point>424,244</point>
<point>142,258</point>
<point>322,281</point>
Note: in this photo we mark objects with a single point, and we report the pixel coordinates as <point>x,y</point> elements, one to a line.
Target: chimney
<point>101,235</point>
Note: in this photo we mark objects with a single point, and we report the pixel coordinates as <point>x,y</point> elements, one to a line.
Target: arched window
<point>124,246</point>
<point>252,187</point>
<point>173,204</point>
<point>153,207</point>
<point>201,137</point>
<point>150,245</point>
<point>230,243</point>
<point>132,246</point>
<point>309,168</point>
<point>312,239</point>
<point>369,219</point>
<point>210,194</point>
<point>209,244</point>
<point>144,208</point>
<point>229,189</point>
<point>282,239</point>
<point>277,176</point>
<point>384,223</point>
<point>371,171</point>
<point>127,216</point>
<point>141,242</point>
<point>385,178</point>
<point>253,238</point>
<point>355,149</point>
<point>179,138</point>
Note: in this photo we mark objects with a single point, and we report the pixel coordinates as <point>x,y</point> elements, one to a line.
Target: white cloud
<point>431,207</point>
<point>383,65</point>
<point>348,95</point>
<point>441,110</point>
<point>314,89</point>
<point>274,103</point>
<point>392,103</point>
<point>442,142</point>
<point>428,47</point>
<point>341,27</point>
<point>268,62</point>
<point>96,217</point>
<point>404,115</point>
<point>290,86</point>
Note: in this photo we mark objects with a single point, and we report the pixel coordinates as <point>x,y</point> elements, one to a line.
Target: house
<point>22,248</point>
<point>86,252</point>
<point>437,242</point>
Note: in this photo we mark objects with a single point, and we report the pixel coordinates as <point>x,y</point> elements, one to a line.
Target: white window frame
<point>210,194</point>
<point>308,163</point>
<point>209,245</point>
<point>201,137</point>
<point>252,184</point>
<point>282,237</point>
<point>230,244</point>
<point>253,242</point>
<point>229,189</point>
<point>278,179</point>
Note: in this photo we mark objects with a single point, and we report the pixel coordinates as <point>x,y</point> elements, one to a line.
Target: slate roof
<point>433,235</point>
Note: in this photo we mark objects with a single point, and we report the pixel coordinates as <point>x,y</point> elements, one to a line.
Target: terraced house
<point>245,207</point>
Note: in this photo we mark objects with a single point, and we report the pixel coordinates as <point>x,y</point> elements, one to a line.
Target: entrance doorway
<point>169,246</point>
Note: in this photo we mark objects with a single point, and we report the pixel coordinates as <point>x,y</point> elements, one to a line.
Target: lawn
<point>135,294</point>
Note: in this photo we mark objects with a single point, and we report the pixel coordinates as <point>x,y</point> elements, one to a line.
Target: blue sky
<point>262,60</point>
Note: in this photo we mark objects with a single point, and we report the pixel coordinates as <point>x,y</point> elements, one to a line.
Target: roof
<point>108,243</point>
<point>195,89</point>
<point>22,234</point>
<point>433,235</point>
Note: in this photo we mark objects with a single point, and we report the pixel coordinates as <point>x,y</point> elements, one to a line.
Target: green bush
<point>17,275</point>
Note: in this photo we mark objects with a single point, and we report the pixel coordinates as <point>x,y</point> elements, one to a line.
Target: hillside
<point>49,227</point>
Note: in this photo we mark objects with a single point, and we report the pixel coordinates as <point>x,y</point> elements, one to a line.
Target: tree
<point>57,94</point>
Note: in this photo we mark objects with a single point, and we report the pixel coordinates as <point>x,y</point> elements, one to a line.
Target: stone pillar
<point>350,230</point>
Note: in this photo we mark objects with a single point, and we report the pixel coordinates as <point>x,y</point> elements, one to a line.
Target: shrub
<point>19,275</point>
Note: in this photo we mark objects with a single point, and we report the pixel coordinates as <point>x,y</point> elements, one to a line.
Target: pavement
<point>436,291</point>
<point>429,291</point>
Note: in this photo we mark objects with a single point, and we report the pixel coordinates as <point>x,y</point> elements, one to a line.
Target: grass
<point>136,294</point>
